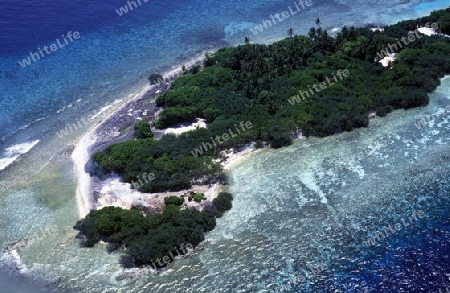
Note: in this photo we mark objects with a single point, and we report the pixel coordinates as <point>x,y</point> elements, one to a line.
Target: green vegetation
<point>173,166</point>
<point>142,130</point>
<point>198,197</point>
<point>223,203</point>
<point>155,78</point>
<point>254,83</point>
<point>195,69</point>
<point>175,200</point>
<point>145,238</point>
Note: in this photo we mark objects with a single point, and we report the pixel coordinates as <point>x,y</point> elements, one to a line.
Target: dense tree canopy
<point>146,238</point>
<point>223,203</point>
<point>175,200</point>
<point>173,167</point>
<point>240,81</point>
<point>262,84</point>
<point>142,130</point>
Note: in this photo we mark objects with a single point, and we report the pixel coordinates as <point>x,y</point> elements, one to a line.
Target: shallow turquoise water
<point>430,6</point>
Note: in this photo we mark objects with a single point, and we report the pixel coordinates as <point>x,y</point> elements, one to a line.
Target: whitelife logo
<point>53,48</point>
<point>124,9</point>
<point>205,146</point>
<point>185,248</point>
<point>412,36</point>
<point>147,178</point>
<point>323,85</point>
<point>394,229</point>
<point>281,16</point>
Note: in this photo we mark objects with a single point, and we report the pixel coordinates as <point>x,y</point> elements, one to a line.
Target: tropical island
<point>263,96</point>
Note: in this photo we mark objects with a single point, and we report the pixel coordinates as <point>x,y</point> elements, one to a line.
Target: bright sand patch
<point>428,31</point>
<point>81,156</point>
<point>387,60</point>
<point>114,192</point>
<point>181,128</point>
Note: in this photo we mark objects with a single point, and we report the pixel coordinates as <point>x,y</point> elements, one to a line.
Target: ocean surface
<point>298,223</point>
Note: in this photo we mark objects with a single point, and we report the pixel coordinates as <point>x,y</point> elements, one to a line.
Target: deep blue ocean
<point>111,61</point>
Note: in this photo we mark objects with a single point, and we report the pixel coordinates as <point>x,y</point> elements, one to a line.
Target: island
<point>258,96</point>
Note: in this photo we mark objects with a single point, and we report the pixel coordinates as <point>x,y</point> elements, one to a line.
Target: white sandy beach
<point>80,156</point>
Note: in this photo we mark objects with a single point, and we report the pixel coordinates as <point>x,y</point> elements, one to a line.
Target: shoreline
<point>94,140</point>
<point>108,131</point>
<point>92,193</point>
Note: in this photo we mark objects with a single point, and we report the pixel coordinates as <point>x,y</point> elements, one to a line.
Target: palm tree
<point>319,32</point>
<point>247,40</point>
<point>352,33</point>
<point>290,32</point>
<point>312,33</point>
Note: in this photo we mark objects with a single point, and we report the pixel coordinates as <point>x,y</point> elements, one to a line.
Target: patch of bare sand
<point>184,127</point>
